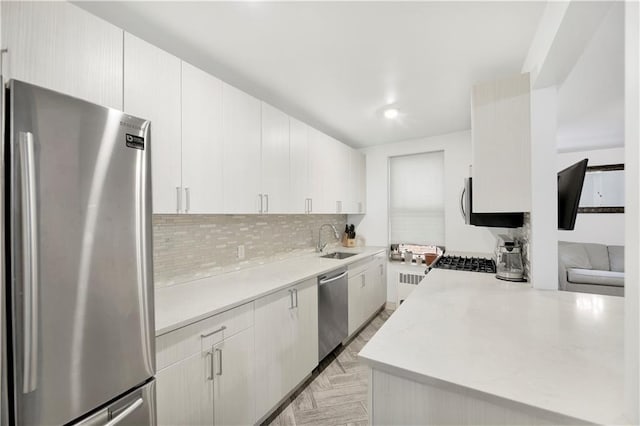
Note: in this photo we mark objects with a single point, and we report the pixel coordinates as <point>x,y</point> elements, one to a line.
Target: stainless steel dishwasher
<point>333,309</point>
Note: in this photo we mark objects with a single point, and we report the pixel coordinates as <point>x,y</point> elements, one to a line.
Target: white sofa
<point>591,268</point>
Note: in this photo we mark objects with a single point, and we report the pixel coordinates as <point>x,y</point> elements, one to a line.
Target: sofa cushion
<point>593,276</point>
<point>616,258</point>
<point>573,255</point>
<point>598,256</point>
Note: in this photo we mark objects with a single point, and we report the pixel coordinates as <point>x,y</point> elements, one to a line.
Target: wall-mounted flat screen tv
<point>570,181</point>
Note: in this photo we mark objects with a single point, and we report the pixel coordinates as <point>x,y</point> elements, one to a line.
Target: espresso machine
<point>509,265</point>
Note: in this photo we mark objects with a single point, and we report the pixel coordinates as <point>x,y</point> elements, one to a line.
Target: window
<point>416,198</point>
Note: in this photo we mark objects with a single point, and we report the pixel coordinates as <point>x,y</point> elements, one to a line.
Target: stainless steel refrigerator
<point>79,321</point>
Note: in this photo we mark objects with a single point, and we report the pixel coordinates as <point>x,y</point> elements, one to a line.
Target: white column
<point>544,190</point>
<point>632,212</point>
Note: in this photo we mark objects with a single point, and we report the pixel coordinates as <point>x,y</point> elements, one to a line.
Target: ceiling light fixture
<point>391,113</point>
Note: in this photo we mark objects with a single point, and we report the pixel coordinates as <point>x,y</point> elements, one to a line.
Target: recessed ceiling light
<point>391,113</point>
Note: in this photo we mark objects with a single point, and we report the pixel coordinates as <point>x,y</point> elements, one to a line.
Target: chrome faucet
<point>321,246</point>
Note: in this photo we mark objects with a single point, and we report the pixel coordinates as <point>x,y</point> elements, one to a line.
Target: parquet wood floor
<point>336,393</point>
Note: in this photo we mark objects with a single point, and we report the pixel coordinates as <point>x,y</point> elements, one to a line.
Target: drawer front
<point>201,336</point>
<point>359,266</point>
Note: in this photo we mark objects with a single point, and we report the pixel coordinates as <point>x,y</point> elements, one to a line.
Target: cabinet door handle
<point>219,352</point>
<point>291,299</point>
<point>363,282</point>
<point>187,196</point>
<point>266,203</point>
<point>296,291</point>
<point>178,199</point>
<point>210,356</point>
<point>223,328</point>
<point>310,205</point>
<point>260,203</point>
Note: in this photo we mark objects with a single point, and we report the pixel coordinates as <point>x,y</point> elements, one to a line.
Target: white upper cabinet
<point>357,181</point>
<point>64,48</point>
<point>241,126</point>
<point>318,170</point>
<point>152,91</point>
<point>214,148</point>
<point>275,160</point>
<point>341,177</point>
<point>300,193</point>
<point>330,174</point>
<point>501,135</point>
<point>202,166</point>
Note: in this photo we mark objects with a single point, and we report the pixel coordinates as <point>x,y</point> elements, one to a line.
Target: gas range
<point>462,263</point>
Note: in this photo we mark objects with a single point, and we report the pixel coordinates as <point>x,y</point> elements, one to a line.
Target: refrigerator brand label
<point>134,141</point>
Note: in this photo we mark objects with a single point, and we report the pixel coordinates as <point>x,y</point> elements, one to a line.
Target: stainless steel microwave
<point>496,220</point>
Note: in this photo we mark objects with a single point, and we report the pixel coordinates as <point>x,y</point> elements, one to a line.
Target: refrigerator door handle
<point>29,262</point>
<point>130,409</point>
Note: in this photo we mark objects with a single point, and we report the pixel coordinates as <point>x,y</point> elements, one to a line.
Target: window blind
<point>416,198</point>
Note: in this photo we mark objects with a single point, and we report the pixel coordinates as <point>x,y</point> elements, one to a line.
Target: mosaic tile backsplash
<point>188,247</point>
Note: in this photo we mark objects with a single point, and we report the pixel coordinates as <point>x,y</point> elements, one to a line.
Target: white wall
<point>595,227</point>
<point>543,243</point>
<point>591,98</point>
<point>374,227</point>
<point>457,158</point>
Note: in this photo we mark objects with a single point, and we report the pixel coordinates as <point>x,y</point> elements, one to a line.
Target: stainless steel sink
<point>338,255</point>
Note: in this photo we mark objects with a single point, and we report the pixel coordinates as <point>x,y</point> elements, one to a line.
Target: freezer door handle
<point>126,412</point>
<point>29,262</point>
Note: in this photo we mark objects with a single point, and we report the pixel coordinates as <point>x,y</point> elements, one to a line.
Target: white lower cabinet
<point>286,342</point>
<point>206,371</point>
<point>379,273</point>
<point>233,380</point>
<point>357,300</point>
<point>367,290</point>
<point>184,392</point>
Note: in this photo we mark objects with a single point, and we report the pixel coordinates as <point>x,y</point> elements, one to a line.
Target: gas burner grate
<point>472,264</point>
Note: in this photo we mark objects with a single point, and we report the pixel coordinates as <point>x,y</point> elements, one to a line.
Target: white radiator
<point>407,282</point>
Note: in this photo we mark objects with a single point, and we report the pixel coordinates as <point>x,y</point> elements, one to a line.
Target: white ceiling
<point>336,65</point>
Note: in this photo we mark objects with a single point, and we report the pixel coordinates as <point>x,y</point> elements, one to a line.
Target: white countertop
<point>554,350</point>
<point>182,304</point>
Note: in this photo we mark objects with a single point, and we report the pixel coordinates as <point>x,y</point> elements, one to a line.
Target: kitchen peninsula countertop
<point>554,350</point>
<point>183,304</point>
